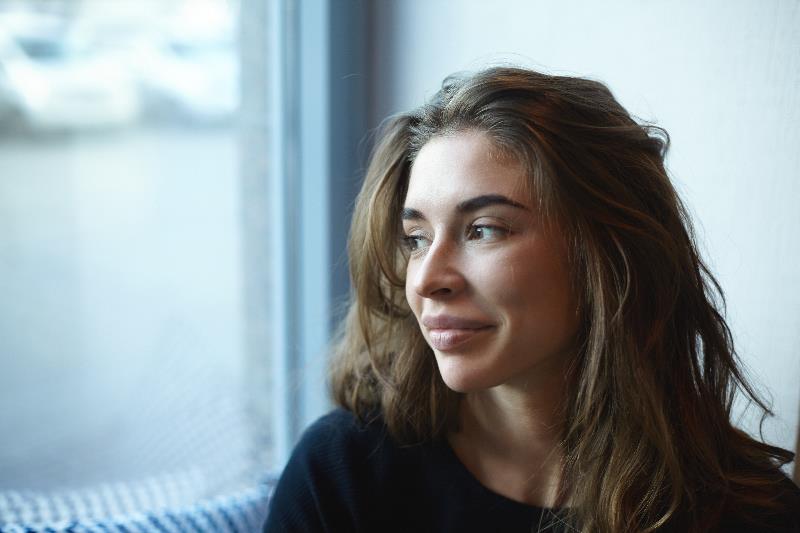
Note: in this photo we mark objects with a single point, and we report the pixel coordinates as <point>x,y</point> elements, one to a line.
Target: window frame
<point>297,199</point>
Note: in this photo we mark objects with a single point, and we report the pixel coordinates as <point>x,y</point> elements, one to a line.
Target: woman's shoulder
<point>341,434</point>
<point>330,482</point>
<point>781,516</point>
<point>341,422</point>
<point>785,517</point>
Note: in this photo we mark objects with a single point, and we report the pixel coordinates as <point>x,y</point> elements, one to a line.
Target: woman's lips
<point>451,338</point>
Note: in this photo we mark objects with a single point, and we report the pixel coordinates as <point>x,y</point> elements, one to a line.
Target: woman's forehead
<point>449,169</point>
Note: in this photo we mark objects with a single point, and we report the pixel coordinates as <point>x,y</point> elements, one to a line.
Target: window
<point>174,196</point>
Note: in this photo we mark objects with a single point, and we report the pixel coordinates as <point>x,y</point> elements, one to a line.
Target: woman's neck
<point>509,439</point>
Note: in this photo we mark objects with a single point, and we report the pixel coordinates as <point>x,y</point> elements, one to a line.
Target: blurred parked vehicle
<point>51,85</point>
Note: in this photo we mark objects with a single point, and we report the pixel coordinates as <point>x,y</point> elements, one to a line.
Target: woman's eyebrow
<point>409,213</point>
<point>473,204</point>
<point>467,206</point>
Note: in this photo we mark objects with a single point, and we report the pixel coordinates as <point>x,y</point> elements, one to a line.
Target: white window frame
<point>300,173</point>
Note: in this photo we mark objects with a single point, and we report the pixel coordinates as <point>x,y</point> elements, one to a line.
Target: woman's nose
<point>438,275</point>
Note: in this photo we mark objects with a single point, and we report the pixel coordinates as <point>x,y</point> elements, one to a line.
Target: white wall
<point>722,76</point>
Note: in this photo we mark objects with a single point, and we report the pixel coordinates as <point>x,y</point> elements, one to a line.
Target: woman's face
<point>488,285</point>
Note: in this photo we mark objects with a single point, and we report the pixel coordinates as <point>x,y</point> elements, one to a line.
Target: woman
<point>533,342</point>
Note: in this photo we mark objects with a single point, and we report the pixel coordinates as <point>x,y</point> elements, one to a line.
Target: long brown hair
<point>648,440</point>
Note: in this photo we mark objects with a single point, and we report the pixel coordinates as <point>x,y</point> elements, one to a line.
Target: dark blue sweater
<point>346,477</point>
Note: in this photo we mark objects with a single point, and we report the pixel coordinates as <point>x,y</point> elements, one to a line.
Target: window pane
<point>121,327</point>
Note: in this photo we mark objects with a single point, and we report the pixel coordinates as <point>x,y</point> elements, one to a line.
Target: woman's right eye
<point>414,243</point>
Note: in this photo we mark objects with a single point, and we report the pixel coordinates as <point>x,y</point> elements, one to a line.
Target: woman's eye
<point>486,233</point>
<point>413,243</point>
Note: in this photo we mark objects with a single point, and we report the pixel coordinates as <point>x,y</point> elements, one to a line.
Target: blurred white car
<point>53,86</point>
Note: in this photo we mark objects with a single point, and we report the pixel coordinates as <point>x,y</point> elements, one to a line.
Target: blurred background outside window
<point>121,326</point>
<point>176,178</point>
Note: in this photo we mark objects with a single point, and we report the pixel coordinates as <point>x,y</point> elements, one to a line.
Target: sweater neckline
<point>468,477</point>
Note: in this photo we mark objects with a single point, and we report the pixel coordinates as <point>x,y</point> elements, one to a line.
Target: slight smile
<point>447,332</point>
<point>449,339</point>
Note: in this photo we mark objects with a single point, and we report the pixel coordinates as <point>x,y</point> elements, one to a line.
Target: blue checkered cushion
<point>154,505</point>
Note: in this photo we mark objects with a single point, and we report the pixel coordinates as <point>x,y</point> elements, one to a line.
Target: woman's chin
<point>461,377</point>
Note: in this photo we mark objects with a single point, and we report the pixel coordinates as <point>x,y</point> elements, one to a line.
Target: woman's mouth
<point>451,338</point>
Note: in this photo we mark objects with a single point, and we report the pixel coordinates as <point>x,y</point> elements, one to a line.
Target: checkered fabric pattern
<point>159,505</point>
